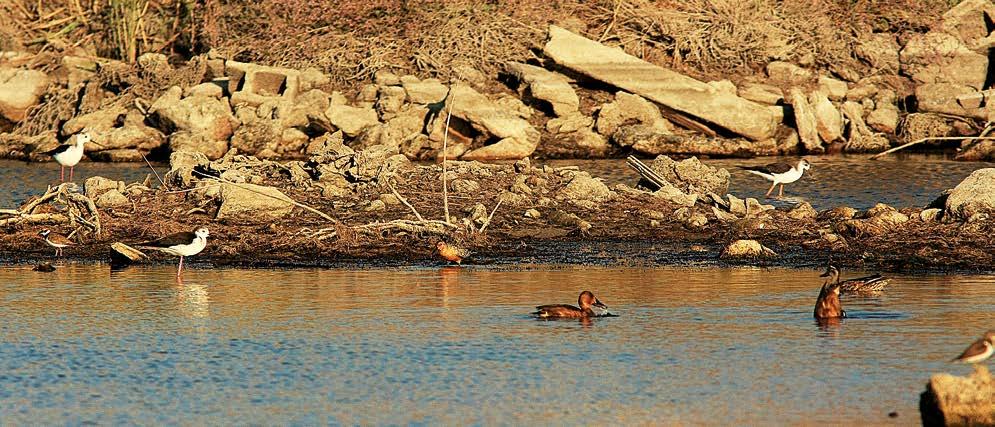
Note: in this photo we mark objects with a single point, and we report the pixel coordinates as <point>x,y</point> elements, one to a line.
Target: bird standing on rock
<point>180,244</point>
<point>55,240</point>
<point>452,253</point>
<point>980,350</point>
<point>69,154</point>
<point>779,173</point>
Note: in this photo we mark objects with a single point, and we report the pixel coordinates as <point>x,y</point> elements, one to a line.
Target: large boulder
<point>974,195</point>
<point>351,120</point>
<point>516,138</point>
<point>959,401</point>
<point>205,122</point>
<point>805,120</point>
<point>691,176</point>
<point>628,109</point>
<point>829,121</point>
<point>250,203</point>
<point>747,249</point>
<point>937,57</point>
<point>585,188</point>
<point>19,91</point>
<point>547,86</point>
<point>880,51</point>
<point>968,21</point>
<point>945,98</point>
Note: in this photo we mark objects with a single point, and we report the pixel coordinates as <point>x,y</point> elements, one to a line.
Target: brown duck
<point>861,285</point>
<point>586,301</point>
<point>828,305</point>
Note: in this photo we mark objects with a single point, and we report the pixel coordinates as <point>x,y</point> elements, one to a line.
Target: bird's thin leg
<point>771,189</point>
<point>781,193</point>
<point>180,269</point>
<point>62,174</point>
<point>71,173</point>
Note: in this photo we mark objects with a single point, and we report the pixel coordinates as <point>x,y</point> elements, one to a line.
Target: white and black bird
<point>70,154</point>
<point>180,244</point>
<point>55,240</point>
<point>780,173</point>
<point>980,350</point>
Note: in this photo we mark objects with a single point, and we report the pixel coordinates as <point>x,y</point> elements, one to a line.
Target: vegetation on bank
<point>351,40</point>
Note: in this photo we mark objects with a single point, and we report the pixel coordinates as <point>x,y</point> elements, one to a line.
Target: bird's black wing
<point>778,167</point>
<point>183,238</point>
<point>60,149</point>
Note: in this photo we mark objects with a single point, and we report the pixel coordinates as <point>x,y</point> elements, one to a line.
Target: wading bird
<point>69,154</point>
<point>451,252</point>
<point>586,301</point>
<point>180,244</point>
<point>980,350</point>
<point>55,240</point>
<point>779,173</point>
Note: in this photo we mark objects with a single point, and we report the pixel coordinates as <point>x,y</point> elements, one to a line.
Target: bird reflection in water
<point>448,280</point>
<point>194,301</point>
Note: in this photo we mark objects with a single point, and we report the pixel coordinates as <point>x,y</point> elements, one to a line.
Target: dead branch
<point>34,219</point>
<point>403,200</point>
<point>489,217</point>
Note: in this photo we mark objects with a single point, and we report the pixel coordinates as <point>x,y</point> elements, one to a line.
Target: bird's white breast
<point>190,249</point>
<point>790,176</point>
<point>70,157</point>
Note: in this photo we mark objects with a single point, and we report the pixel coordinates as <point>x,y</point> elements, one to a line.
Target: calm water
<point>902,181</point>
<point>452,346</point>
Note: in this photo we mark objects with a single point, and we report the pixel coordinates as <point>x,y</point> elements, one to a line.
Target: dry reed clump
<point>917,126</point>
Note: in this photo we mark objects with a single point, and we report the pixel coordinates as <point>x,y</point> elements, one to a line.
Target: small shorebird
<point>779,173</point>
<point>860,285</point>
<point>180,244</point>
<point>586,301</point>
<point>828,306</point>
<point>452,253</point>
<point>980,350</point>
<point>69,154</point>
<point>55,240</point>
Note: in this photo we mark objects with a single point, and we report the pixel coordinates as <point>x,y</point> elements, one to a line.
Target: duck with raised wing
<point>980,350</point>
<point>70,154</point>
<point>779,173</point>
<point>180,244</point>
<point>828,305</point>
<point>861,285</point>
<point>587,302</point>
<point>55,240</point>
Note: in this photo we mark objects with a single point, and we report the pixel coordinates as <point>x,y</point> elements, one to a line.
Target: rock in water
<point>959,401</point>
<point>974,195</point>
<point>747,249</point>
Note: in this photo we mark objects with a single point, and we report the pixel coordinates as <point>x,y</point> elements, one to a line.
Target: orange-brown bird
<point>452,253</point>
<point>980,350</point>
<point>828,306</point>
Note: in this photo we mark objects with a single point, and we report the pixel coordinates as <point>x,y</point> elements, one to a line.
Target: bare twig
<point>445,151</point>
<point>935,138</point>
<point>153,169</point>
<point>403,200</point>
<point>488,222</point>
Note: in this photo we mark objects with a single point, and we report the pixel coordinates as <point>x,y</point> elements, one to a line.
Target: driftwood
<point>122,254</point>
<point>79,209</point>
<point>646,172</point>
<point>935,138</point>
<point>441,228</point>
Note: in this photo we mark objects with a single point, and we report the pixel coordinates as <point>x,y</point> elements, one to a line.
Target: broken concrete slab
<point>516,137</point>
<point>545,85</point>
<point>658,84</point>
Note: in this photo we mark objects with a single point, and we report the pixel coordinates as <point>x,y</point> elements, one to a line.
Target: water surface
<point>456,346</point>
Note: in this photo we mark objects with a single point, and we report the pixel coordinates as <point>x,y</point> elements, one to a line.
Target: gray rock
<point>805,121</point>
<point>545,85</point>
<point>250,203</point>
<point>974,195</point>
<point>585,188</point>
<point>19,91</point>
<point>747,249</point>
<point>351,120</point>
<point>691,176</point>
<point>937,57</point>
<point>112,199</point>
<point>94,186</point>
<point>803,212</point>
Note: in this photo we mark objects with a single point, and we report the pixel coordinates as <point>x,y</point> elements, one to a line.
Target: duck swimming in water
<point>587,302</point>
<point>860,285</point>
<point>828,306</point>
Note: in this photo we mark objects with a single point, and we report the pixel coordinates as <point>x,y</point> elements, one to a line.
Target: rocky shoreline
<point>342,206</point>
<point>579,98</point>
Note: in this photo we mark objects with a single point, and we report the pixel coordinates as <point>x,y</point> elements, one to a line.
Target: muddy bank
<point>374,206</point>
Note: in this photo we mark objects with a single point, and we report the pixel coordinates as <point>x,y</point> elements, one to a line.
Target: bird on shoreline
<point>980,350</point>
<point>828,305</point>
<point>69,154</point>
<point>587,302</point>
<point>182,244</point>
<point>452,253</point>
<point>779,173</point>
<point>55,240</point>
<point>861,285</point>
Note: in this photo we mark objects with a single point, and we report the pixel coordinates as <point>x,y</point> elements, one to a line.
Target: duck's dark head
<point>831,272</point>
<point>588,300</point>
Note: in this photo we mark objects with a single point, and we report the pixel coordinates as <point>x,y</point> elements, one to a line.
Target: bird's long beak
<point>599,304</point>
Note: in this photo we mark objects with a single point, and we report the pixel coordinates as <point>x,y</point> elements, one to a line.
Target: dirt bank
<point>374,207</point>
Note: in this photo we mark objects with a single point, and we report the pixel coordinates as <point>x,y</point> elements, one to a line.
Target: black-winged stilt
<point>55,240</point>
<point>980,350</point>
<point>69,154</point>
<point>779,173</point>
<point>180,244</point>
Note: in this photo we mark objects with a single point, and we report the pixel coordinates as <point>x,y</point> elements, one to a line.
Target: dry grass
<point>350,40</point>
